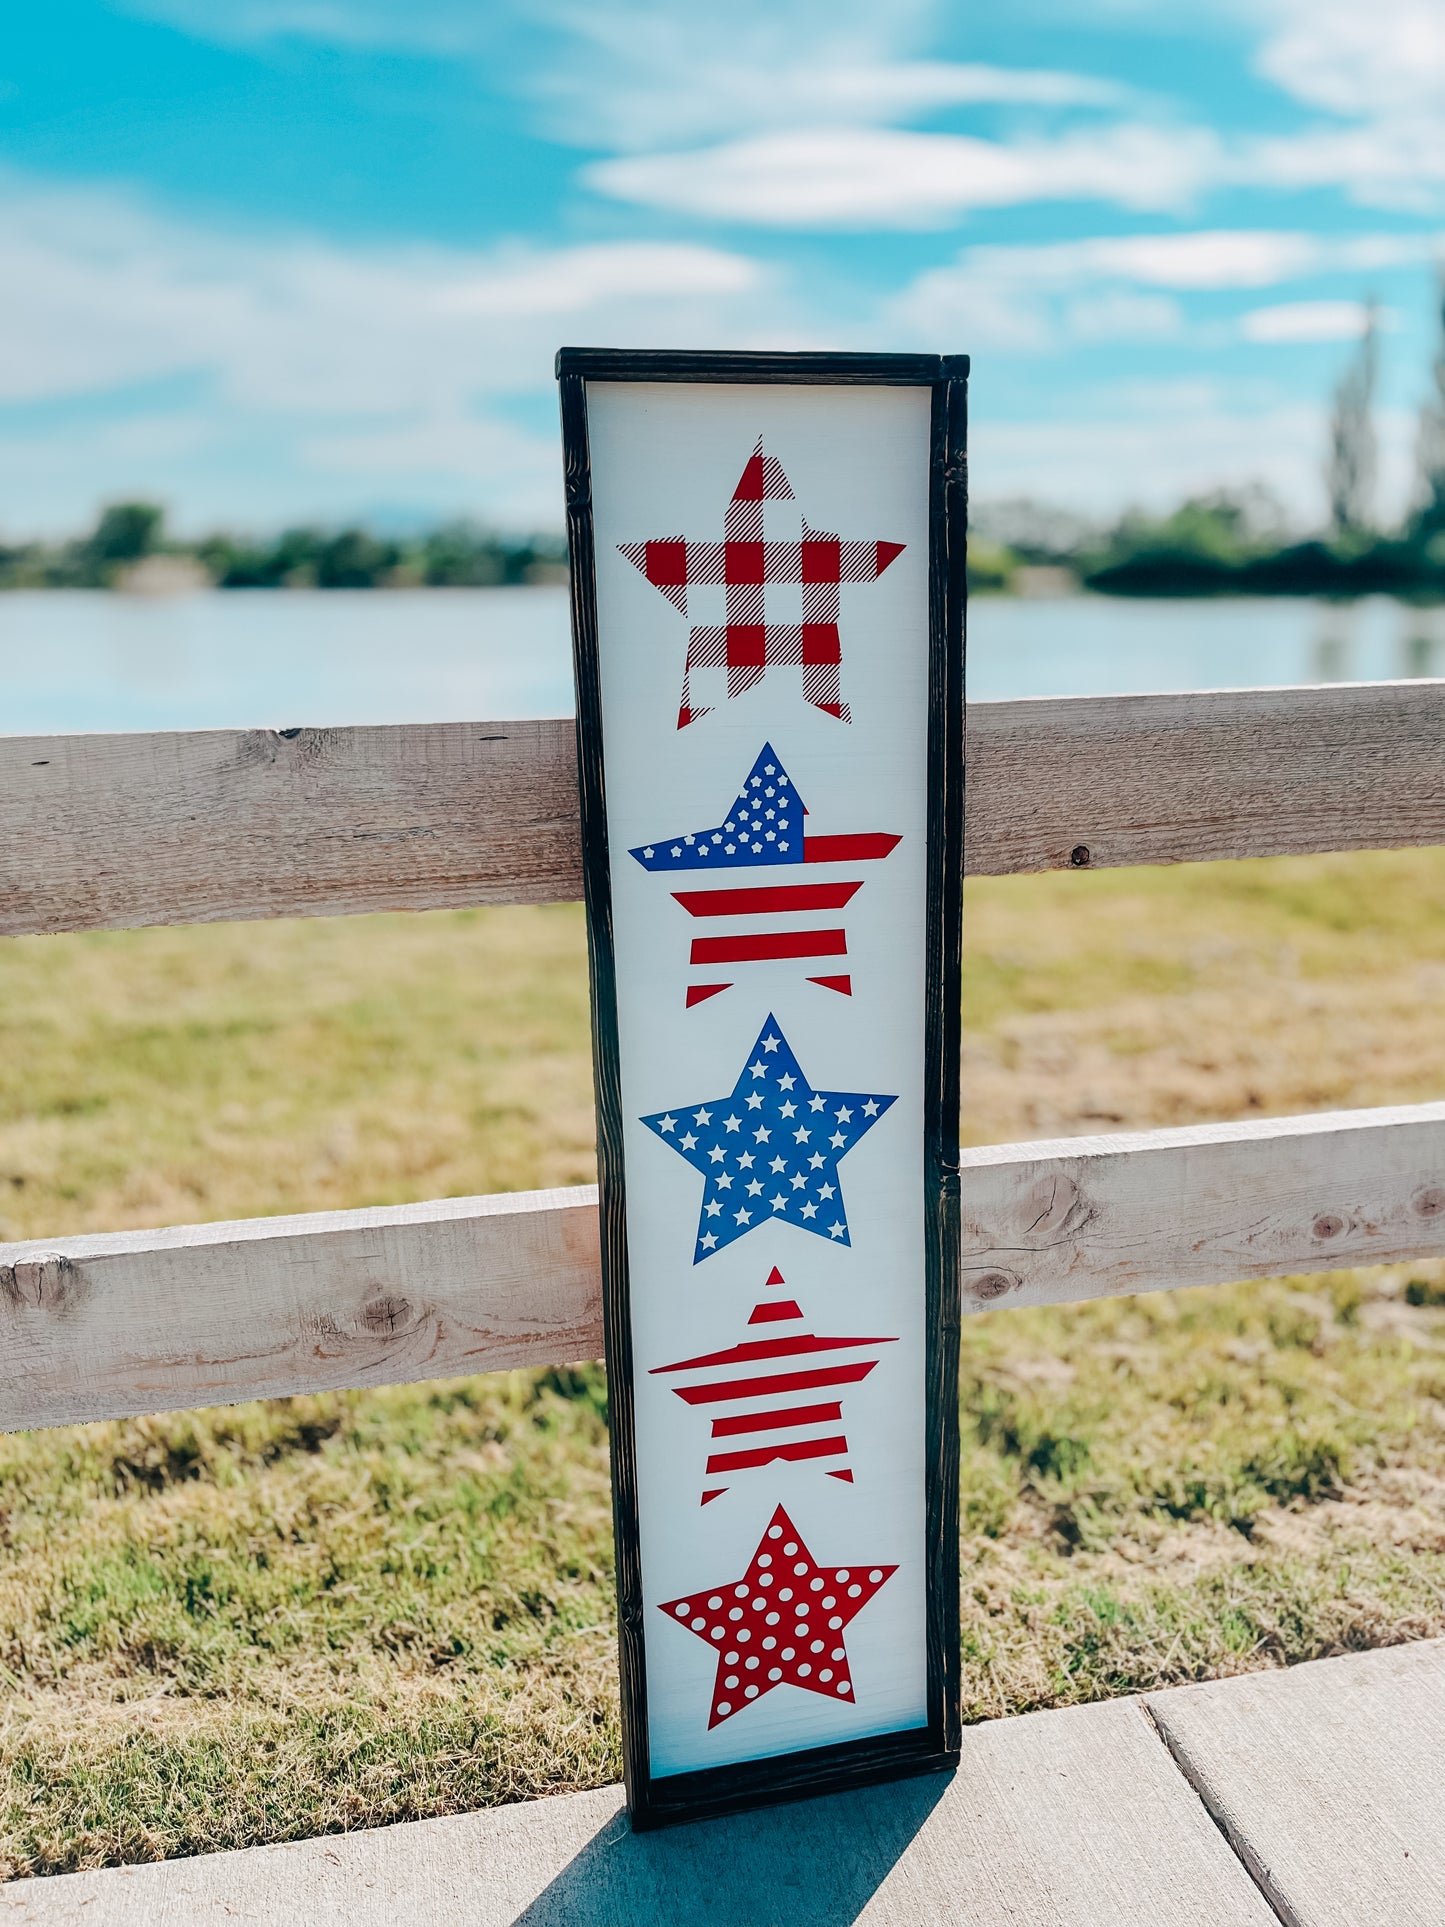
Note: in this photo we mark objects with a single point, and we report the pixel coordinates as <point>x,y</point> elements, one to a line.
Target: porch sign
<point>767,604</point>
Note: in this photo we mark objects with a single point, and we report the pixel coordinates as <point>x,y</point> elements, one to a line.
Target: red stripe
<point>771,1383</point>
<point>771,1309</point>
<point>756,1348</point>
<point>843,985</point>
<point>866,848</point>
<point>768,1454</point>
<point>785,943</point>
<point>699,993</point>
<point>767,897</point>
<point>727,1428</point>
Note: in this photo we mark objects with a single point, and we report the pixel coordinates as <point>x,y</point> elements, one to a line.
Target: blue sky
<point>281,259</point>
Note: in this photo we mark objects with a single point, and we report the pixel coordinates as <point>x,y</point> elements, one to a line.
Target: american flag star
<point>776,1396</point>
<point>781,1624</point>
<point>747,921</point>
<point>767,595</point>
<point>769,1150</point>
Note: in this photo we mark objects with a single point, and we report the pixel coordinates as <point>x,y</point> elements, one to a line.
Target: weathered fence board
<point>106,832</point>
<point>106,1326</point>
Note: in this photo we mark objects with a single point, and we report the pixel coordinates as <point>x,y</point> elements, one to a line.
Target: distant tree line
<point>457,555</point>
<point>1225,543</point>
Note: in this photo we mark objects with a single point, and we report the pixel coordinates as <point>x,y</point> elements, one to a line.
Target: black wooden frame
<point>714,1790</point>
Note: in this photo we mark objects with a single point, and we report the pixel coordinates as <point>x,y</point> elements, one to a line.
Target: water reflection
<point>1346,639</point>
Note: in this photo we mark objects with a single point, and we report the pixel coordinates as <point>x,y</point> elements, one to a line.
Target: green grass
<point>279,1619</point>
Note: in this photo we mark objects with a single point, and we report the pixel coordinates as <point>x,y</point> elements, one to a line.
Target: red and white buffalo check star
<point>766,595</point>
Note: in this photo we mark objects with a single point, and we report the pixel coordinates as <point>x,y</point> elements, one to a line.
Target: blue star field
<point>769,1150</point>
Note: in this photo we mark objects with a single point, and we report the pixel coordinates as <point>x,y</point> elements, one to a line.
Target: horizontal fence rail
<point>107,832</point>
<point>115,1325</point>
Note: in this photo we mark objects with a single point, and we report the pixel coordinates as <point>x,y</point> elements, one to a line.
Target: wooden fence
<point>107,832</point>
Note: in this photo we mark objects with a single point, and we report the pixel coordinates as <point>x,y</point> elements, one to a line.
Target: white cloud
<point>352,361</point>
<point>863,177</point>
<point>1035,296</point>
<point>1298,321</point>
<point>1362,62</point>
<point>1152,445</point>
<point>1380,71</point>
<point>633,74</point>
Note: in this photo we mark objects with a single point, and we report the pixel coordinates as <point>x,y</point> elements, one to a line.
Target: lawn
<point>219,1628</point>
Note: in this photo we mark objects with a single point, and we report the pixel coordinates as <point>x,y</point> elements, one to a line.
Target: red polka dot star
<point>781,1624</point>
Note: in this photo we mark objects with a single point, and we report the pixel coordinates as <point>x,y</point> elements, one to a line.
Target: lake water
<point>84,661</point>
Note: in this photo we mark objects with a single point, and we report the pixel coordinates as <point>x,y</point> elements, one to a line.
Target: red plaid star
<point>781,1624</point>
<point>767,594</point>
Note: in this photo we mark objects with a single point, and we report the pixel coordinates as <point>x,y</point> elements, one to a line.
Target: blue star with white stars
<point>770,1150</point>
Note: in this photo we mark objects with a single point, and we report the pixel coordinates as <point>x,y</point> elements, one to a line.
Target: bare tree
<point>1430,447</point>
<point>1350,475</point>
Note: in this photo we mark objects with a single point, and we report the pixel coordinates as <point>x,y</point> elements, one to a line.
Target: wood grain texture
<point>108,1326</point>
<point>108,832</point>
<point>143,1321</point>
<point>1069,1218</point>
<point>1326,1780</point>
<point>1064,1819</point>
<point>1189,778</point>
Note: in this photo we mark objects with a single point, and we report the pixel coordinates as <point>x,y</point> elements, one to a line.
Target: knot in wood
<point>989,1285</point>
<point>1080,857</point>
<point>38,1284</point>
<point>1327,1226</point>
<point>386,1315</point>
<point>1428,1201</point>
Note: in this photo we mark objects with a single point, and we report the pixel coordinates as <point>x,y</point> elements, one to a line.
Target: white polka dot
<point>817,1585</point>
<point>835,1622</point>
<point>804,1670</point>
<point>752,1662</point>
<point>766,1558</point>
<point>716,1633</point>
<point>816,1647</point>
<point>731,1680</point>
<point>875,1575</point>
<point>765,1579</point>
<point>723,1709</point>
<point>785,1592</point>
<point>787,1653</point>
<point>775,1532</point>
<point>842,1578</point>
<point>698,1623</point>
<point>837,1653</point>
<point>736,1613</point>
<point>775,1672</point>
<point>740,1592</point>
<point>769,1644</point>
<point>790,1548</point>
<point>771,1620</point>
<point>826,1674</point>
<point>683,1610</point>
<point>829,1603</point>
<point>842,1686</point>
<point>714,1602</point>
<point>853,1591</point>
<point>730,1659</point>
<point>801,1567</point>
<point>750,1692</point>
<point>802,1609</point>
<point>742,1637</point>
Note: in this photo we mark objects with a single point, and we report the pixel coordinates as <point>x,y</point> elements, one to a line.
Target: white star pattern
<point>805,1175</point>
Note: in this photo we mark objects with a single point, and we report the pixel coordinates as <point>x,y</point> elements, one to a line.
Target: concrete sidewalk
<point>1313,1797</point>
